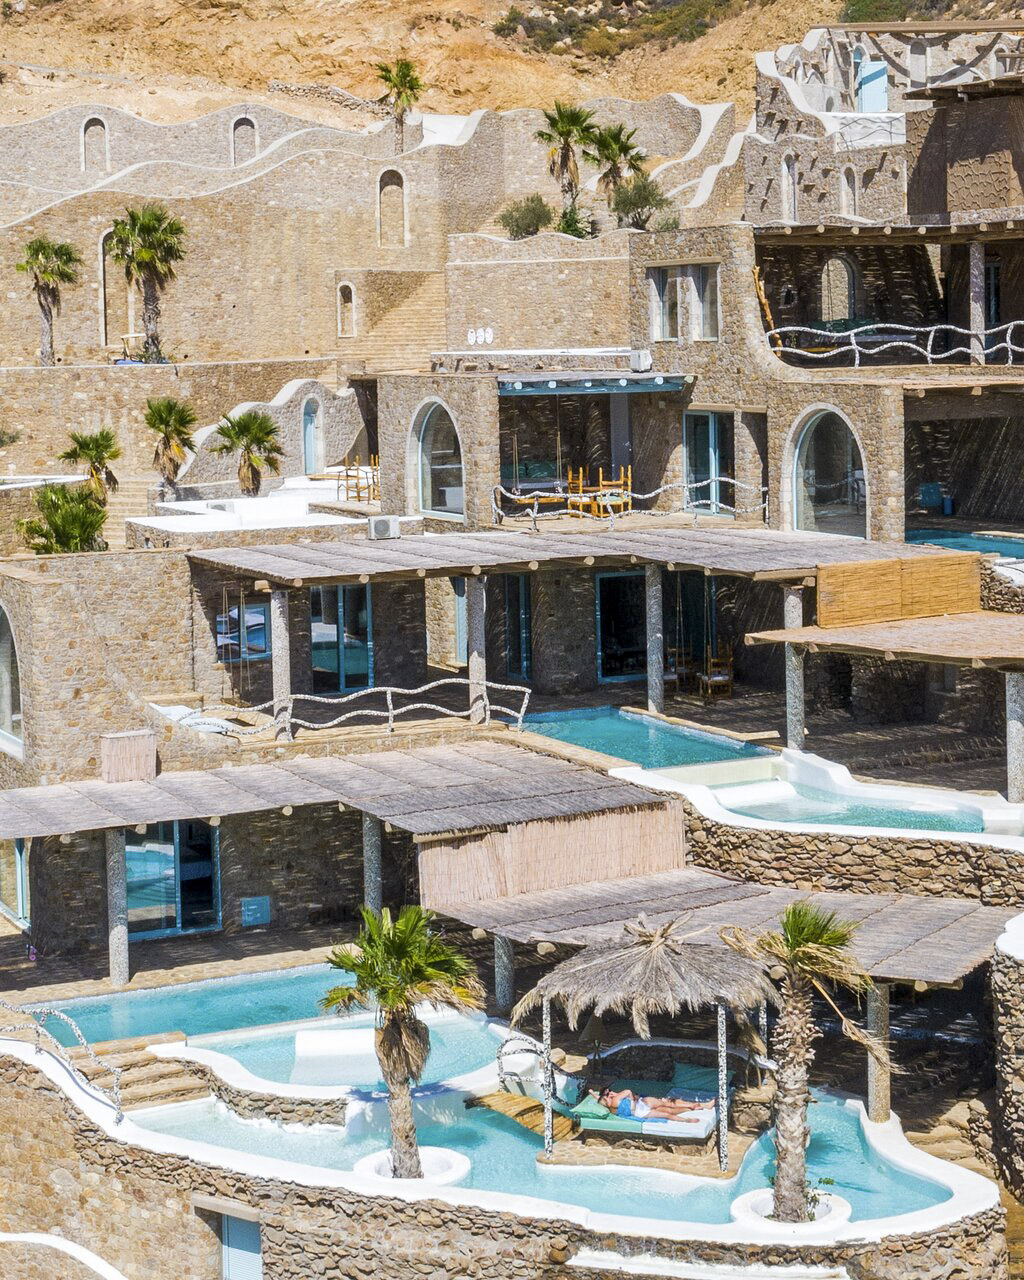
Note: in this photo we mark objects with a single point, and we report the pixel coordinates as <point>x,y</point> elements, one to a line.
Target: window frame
<point>243,635</point>
<point>143,935</point>
<point>693,283</point>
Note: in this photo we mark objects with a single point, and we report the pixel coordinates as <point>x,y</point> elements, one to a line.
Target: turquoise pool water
<point>457,1046</point>
<point>825,808</point>
<point>249,1000</point>
<point>503,1158</point>
<point>644,740</point>
<point>960,541</point>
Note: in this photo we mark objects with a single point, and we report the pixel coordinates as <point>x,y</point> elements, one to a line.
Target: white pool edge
<point>970,1194</point>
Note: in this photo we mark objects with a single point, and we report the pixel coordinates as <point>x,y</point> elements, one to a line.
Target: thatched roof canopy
<point>650,970</point>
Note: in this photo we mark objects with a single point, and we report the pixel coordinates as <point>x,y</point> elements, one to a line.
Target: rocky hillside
<point>170,58</point>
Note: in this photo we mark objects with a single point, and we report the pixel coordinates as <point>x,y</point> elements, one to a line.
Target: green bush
<point>876,11</point>
<point>526,217</point>
<point>510,23</point>
<point>573,223</point>
<point>637,201</point>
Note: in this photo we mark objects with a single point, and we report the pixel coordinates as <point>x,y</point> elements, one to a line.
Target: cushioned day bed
<point>698,1084</point>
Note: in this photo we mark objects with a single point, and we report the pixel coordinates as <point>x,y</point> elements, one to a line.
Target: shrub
<point>876,11</point>
<point>573,223</point>
<point>637,201</point>
<point>670,222</point>
<point>526,217</point>
<point>510,23</point>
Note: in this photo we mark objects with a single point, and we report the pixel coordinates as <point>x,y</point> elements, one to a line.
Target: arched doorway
<point>311,450</point>
<point>243,140</point>
<point>391,212</point>
<point>838,291</point>
<point>829,484</point>
<point>441,489</point>
<point>10,689</point>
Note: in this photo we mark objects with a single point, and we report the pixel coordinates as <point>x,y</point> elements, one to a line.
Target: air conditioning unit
<point>640,360</point>
<point>383,527</point>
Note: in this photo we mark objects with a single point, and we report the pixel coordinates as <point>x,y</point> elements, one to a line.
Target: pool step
<point>146,1081</point>
<point>181,1087</point>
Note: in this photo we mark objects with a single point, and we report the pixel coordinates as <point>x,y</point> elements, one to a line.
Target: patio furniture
<point>685,669</point>
<point>716,680</point>
<point>614,495</point>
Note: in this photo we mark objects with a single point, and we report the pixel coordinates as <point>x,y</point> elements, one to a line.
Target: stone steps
<point>146,1080</point>
<point>131,501</point>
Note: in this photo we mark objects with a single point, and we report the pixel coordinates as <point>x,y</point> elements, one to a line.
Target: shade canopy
<point>589,384</point>
<point>647,970</point>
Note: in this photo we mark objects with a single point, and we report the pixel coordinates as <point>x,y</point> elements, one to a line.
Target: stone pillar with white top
<point>655,640</point>
<point>373,876</point>
<point>793,617</point>
<point>280,662</point>
<point>117,906</point>
<point>1015,736</point>
<point>879,1076</point>
<point>976,299</point>
<point>476,646</point>
<point>504,974</point>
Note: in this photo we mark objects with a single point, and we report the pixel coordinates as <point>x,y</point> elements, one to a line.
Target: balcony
<point>857,343</point>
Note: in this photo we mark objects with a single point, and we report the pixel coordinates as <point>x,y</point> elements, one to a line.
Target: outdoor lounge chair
<point>699,1084</point>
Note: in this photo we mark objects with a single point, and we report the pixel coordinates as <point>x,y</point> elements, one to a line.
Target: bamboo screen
<point>532,856</point>
<point>885,590</point>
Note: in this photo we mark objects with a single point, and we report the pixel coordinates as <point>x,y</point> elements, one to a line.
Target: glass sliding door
<point>341,627</point>
<point>14,892</point>
<point>518,626</point>
<point>621,626</point>
<point>709,462</point>
<point>173,879</point>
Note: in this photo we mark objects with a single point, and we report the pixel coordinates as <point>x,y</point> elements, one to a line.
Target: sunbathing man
<point>630,1106</point>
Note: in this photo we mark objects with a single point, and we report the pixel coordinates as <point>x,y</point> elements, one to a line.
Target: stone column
<point>117,906</point>
<point>655,640</point>
<point>476,646</point>
<point>373,879</point>
<point>976,299</point>
<point>1015,737</point>
<point>879,1082</point>
<point>280,662</point>
<point>793,616</point>
<point>504,974</point>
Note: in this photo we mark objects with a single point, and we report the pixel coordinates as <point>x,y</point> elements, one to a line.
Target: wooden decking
<point>525,1111</point>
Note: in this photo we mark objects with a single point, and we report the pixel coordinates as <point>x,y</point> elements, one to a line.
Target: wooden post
<point>655,640</point>
<point>117,906</point>
<point>879,1081</point>
<point>793,616</point>
<point>476,647</point>
<point>280,662</point>
<point>373,876</point>
<point>1015,737</point>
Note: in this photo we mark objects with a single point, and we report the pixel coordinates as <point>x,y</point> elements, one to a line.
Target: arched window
<point>391,210</point>
<point>10,690</point>
<point>848,192</point>
<point>829,485</point>
<point>918,64</point>
<point>346,311</point>
<point>440,463</point>
<point>789,199</point>
<point>838,290</point>
<point>244,142</point>
<point>95,156</point>
<point>311,443</point>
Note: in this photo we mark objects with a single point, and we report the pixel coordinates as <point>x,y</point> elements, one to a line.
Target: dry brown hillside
<point>171,58</point>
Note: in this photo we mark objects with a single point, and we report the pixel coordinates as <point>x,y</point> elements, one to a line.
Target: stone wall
<point>564,631</point>
<point>964,156</point>
<point>975,460</point>
<point>17,503</point>
<point>916,863</point>
<point>1008,1007</point>
<point>269,1106</point>
<point>60,1168</point>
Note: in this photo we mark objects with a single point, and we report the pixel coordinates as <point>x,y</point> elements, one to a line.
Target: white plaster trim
<point>971,1193</point>
<point>649,1264</point>
<point>89,1259</point>
<point>1010,942</point>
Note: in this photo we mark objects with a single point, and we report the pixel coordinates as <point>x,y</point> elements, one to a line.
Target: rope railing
<point>284,713</point>
<point>870,340</point>
<point>44,1038</point>
<point>532,502</point>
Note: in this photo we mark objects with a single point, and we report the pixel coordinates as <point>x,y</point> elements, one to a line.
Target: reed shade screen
<point>886,590</point>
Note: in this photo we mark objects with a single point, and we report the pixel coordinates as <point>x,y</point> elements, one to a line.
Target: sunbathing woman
<point>630,1106</point>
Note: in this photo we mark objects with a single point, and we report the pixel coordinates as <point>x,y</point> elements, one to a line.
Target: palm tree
<point>619,157</point>
<point>173,421</point>
<point>96,452</point>
<point>148,242</point>
<point>253,435</point>
<point>403,89</point>
<point>568,127</point>
<point>399,965</point>
<point>70,519</point>
<point>809,954</point>
<point>50,264</point>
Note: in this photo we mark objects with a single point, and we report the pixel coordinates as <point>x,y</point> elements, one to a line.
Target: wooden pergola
<point>979,638</point>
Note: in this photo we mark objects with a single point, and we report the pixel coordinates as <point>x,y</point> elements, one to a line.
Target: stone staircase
<point>146,1080</point>
<point>130,501</point>
<point>405,336</point>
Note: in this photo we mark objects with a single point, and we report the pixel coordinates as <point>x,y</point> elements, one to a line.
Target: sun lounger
<point>696,1083</point>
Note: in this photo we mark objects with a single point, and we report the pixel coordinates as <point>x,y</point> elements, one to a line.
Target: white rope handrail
<point>285,713</point>
<point>846,343</point>
<point>534,498</point>
<point>39,1014</point>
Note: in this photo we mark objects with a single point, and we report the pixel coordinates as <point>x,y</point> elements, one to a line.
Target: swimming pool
<point>220,1004</point>
<point>627,735</point>
<point>959,540</point>
<point>503,1157</point>
<point>316,1053</point>
<point>797,802</point>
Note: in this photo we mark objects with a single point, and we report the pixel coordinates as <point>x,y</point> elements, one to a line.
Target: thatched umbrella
<point>650,970</point>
